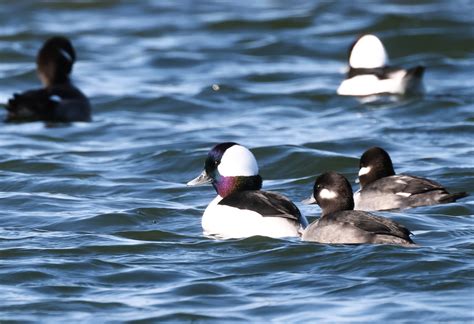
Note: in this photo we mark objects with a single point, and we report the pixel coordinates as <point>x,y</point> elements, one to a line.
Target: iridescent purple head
<point>230,167</point>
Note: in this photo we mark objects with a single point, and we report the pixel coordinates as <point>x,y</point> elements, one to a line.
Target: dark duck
<point>382,189</point>
<point>59,100</point>
<point>340,224</point>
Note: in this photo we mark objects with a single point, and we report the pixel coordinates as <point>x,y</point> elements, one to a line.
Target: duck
<point>370,74</point>
<point>241,209</point>
<point>382,189</point>
<point>341,224</point>
<point>58,100</point>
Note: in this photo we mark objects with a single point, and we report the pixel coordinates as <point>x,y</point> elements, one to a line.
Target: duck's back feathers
<point>266,203</point>
<point>61,103</point>
<point>402,191</point>
<point>413,80</point>
<point>416,72</point>
<point>387,72</point>
<point>404,185</point>
<point>31,105</point>
<point>368,222</point>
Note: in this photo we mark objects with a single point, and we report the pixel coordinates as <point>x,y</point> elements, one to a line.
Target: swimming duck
<point>59,100</point>
<point>241,209</point>
<point>370,74</point>
<point>382,189</point>
<point>340,224</point>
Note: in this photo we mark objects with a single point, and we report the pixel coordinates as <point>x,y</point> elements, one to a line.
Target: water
<point>97,224</point>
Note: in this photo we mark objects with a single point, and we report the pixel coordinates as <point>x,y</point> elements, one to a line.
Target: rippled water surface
<point>96,222</point>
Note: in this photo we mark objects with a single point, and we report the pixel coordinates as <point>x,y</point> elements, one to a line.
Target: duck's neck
<point>59,82</point>
<point>227,185</point>
<point>345,201</point>
<point>375,174</point>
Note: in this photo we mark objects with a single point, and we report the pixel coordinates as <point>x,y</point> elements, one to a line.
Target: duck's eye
<point>216,163</point>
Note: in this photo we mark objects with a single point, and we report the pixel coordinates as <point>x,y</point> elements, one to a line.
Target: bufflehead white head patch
<point>238,161</point>
<point>368,53</point>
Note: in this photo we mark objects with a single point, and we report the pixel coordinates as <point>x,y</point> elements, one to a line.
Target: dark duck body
<point>59,100</point>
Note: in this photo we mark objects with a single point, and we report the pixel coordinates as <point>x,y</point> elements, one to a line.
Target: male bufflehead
<point>241,209</point>
<point>59,100</point>
<point>340,224</point>
<point>370,74</point>
<point>382,189</point>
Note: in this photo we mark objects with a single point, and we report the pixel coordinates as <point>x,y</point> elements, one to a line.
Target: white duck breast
<point>396,82</point>
<point>250,213</point>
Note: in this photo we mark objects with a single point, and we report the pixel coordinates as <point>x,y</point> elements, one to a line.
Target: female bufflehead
<point>340,224</point>
<point>241,209</point>
<point>59,100</point>
<point>370,74</point>
<point>382,189</point>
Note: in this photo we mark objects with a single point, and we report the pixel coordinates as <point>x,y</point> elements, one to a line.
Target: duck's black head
<point>332,192</point>
<point>374,164</point>
<point>55,60</point>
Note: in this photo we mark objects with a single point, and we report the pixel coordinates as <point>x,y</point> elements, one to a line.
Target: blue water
<point>96,222</point>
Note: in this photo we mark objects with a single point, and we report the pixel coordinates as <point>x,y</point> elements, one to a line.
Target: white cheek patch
<point>65,54</point>
<point>364,171</point>
<point>368,53</point>
<point>55,98</point>
<point>238,161</point>
<point>328,194</point>
<point>403,194</point>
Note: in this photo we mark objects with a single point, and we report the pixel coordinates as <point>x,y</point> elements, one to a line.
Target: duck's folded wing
<point>268,204</point>
<point>382,73</point>
<point>369,223</point>
<point>31,105</point>
<point>405,185</point>
<point>417,185</point>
